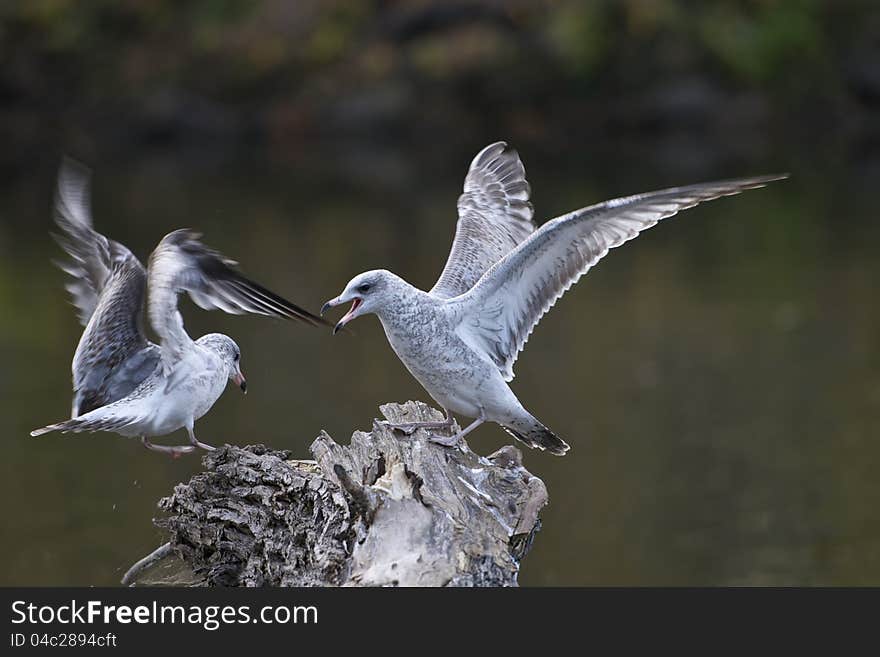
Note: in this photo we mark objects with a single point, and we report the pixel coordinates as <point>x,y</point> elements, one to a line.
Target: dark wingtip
<point>274,304</point>
<point>772,177</point>
<point>224,271</point>
<point>756,182</point>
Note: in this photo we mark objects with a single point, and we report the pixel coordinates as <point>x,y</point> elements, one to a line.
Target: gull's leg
<point>410,427</point>
<point>453,441</point>
<point>195,441</point>
<point>175,451</point>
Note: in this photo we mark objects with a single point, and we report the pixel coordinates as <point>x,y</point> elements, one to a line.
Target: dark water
<point>718,378</point>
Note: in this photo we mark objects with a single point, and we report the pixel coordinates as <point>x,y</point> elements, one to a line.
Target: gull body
<point>166,402</point>
<point>460,340</point>
<point>122,381</point>
<point>423,332</point>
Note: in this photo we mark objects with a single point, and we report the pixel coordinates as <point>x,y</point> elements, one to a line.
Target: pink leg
<point>195,442</point>
<point>174,451</point>
<point>453,441</point>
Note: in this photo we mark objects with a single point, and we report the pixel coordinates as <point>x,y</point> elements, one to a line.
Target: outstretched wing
<point>499,313</point>
<point>494,215</point>
<point>107,284</point>
<point>181,263</point>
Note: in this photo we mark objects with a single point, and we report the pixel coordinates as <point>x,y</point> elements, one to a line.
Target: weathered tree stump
<point>388,509</point>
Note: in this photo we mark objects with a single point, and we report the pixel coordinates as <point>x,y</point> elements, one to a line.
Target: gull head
<point>368,293</point>
<point>225,347</point>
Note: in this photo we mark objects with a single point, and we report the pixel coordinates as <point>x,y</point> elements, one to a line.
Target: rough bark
<point>388,509</point>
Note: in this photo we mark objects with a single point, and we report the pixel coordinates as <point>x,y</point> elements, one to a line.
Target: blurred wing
<point>90,265</point>
<point>500,312</point>
<point>494,215</point>
<point>107,284</point>
<point>181,263</point>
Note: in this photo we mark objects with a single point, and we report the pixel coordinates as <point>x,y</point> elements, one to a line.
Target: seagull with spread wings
<point>461,339</point>
<point>122,382</point>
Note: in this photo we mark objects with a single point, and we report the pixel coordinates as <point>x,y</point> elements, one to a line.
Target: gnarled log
<point>388,509</point>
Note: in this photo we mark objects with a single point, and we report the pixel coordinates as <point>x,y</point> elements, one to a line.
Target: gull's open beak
<point>350,315</point>
<point>239,380</point>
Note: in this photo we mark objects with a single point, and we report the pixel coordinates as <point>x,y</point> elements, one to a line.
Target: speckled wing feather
<point>499,313</point>
<point>113,355</point>
<point>494,215</point>
<point>181,263</point>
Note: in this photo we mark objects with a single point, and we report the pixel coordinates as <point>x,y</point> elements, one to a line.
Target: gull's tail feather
<point>92,421</point>
<point>536,435</point>
<point>49,429</point>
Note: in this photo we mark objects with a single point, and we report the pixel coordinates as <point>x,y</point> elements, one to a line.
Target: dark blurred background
<point>718,378</point>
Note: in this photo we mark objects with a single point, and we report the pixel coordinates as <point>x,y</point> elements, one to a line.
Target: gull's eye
<point>364,288</point>
<point>237,357</point>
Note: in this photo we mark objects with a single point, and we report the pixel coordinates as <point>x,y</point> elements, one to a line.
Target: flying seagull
<point>122,382</point>
<point>461,339</point>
